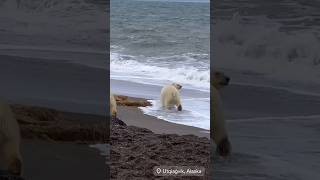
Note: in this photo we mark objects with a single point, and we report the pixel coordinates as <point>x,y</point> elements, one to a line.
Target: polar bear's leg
<point>164,103</point>
<point>164,100</point>
<point>219,128</point>
<point>15,166</point>
<point>113,106</point>
<point>113,112</point>
<point>12,158</point>
<point>179,106</point>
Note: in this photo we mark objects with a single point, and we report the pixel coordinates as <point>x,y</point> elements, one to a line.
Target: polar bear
<point>10,155</point>
<point>220,136</point>
<point>170,96</point>
<point>113,106</point>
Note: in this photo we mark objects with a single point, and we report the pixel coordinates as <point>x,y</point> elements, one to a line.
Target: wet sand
<point>64,160</point>
<point>54,83</point>
<point>134,117</point>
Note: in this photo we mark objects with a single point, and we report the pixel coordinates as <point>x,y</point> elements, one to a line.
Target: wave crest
<point>126,67</point>
<point>264,47</point>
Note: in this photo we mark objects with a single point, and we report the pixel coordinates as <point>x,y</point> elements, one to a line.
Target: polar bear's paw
<point>224,147</point>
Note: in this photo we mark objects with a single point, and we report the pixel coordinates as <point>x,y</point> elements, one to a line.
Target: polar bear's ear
<point>178,86</point>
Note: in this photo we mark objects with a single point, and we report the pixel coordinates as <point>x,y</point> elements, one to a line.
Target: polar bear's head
<point>219,80</point>
<point>177,86</point>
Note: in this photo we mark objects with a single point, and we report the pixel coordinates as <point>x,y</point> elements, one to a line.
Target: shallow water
<point>195,103</point>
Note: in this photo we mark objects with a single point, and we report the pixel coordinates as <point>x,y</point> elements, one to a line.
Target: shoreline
<point>133,116</point>
<point>196,111</point>
<point>159,126</point>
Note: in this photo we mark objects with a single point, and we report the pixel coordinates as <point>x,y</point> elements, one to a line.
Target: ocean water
<point>154,43</point>
<point>269,43</point>
<point>57,29</point>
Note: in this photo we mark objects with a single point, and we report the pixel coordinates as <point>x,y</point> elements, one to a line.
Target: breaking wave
<point>264,49</point>
<point>125,67</point>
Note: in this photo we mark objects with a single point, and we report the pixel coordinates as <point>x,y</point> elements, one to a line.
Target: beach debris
<point>132,102</point>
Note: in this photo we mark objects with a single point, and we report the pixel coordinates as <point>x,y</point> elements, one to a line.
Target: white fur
<point>170,96</point>
<point>113,105</point>
<point>219,127</point>
<point>10,156</point>
<point>219,131</point>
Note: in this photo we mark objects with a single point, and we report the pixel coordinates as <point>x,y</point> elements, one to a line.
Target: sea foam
<point>126,67</point>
